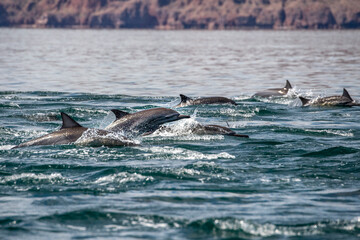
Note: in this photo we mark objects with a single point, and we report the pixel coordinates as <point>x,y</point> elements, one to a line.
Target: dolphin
<point>143,122</point>
<point>274,92</point>
<point>71,131</point>
<point>341,101</point>
<point>200,129</point>
<point>216,130</point>
<point>187,101</point>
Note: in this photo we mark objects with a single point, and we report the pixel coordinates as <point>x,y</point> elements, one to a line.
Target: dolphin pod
<point>148,121</point>
<point>186,101</point>
<point>71,131</point>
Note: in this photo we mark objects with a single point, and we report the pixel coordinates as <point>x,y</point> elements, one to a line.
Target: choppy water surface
<point>296,177</point>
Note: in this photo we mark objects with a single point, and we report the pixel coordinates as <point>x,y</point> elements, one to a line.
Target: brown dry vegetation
<point>182,14</point>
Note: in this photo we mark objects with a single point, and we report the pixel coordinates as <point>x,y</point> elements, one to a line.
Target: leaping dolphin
<point>187,101</point>
<point>341,101</point>
<point>71,131</point>
<point>274,92</point>
<point>143,122</point>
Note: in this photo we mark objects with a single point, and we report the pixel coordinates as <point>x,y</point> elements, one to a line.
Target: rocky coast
<point>181,14</point>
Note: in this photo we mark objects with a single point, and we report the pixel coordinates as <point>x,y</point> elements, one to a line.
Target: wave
<point>32,178</point>
<point>314,132</point>
<point>207,228</point>
<point>333,151</point>
<point>124,178</point>
<point>231,227</point>
<point>182,154</point>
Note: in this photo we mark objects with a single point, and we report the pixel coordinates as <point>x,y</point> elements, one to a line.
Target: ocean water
<point>296,177</point>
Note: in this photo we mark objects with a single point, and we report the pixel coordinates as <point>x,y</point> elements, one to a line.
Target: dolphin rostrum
<point>332,101</point>
<point>71,131</point>
<point>274,92</point>
<point>187,101</point>
<point>143,122</point>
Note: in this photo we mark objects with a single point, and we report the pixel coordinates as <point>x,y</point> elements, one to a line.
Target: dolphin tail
<point>304,101</point>
<point>119,113</point>
<point>288,85</point>
<point>240,135</point>
<point>346,94</point>
<point>68,122</point>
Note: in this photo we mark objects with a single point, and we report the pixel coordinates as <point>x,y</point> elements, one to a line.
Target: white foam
<point>112,227</point>
<point>37,177</point>
<point>267,229</point>
<point>6,147</point>
<point>248,113</point>
<point>123,178</point>
<point>240,98</point>
<point>150,223</point>
<point>201,164</point>
<point>78,228</point>
<point>187,171</point>
<point>180,153</point>
<point>334,132</point>
<point>111,138</point>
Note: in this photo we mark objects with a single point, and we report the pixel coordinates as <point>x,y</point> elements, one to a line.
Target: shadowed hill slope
<point>182,14</point>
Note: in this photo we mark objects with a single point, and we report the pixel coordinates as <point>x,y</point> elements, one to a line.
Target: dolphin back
<point>68,122</point>
<point>347,95</point>
<point>304,101</point>
<point>69,132</point>
<point>288,85</point>
<point>118,113</point>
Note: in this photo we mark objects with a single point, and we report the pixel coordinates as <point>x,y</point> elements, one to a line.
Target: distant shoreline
<point>181,15</point>
<point>188,29</point>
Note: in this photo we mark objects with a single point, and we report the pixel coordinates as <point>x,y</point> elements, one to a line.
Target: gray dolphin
<point>143,122</point>
<point>274,92</point>
<point>200,129</point>
<point>70,132</point>
<point>341,101</point>
<point>186,101</point>
<point>216,130</point>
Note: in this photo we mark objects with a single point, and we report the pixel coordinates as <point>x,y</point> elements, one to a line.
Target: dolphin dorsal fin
<point>184,98</point>
<point>119,113</point>
<point>68,122</point>
<point>346,94</point>
<point>304,101</point>
<point>288,85</point>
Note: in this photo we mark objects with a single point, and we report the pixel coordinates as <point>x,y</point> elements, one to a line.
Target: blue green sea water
<point>296,177</point>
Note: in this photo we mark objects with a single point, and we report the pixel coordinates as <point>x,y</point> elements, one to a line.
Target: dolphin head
<point>168,115</point>
<point>158,116</point>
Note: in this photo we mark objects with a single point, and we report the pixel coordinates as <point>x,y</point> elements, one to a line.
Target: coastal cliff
<point>181,14</point>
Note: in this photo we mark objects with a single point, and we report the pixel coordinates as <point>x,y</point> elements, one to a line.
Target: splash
<point>181,153</point>
<point>123,178</point>
<point>94,137</point>
<point>33,178</point>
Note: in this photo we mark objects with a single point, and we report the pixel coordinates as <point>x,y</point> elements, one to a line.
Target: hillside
<point>182,14</point>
